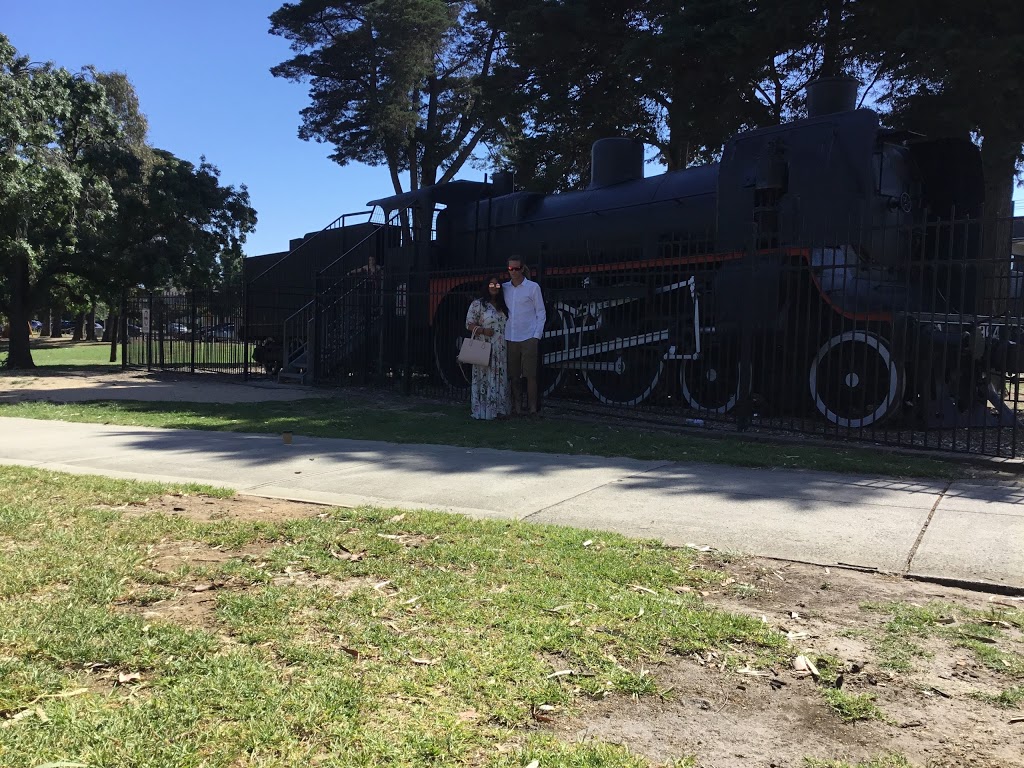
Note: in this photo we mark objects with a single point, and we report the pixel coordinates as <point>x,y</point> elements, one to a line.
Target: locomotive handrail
<point>302,245</point>
<point>376,229</point>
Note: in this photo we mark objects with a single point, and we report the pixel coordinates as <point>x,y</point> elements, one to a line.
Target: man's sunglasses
<point>515,269</point>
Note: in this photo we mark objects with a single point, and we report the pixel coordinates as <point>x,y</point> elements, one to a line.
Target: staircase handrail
<point>376,229</point>
<point>300,246</point>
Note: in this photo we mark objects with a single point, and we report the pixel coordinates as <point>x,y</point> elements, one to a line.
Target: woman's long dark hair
<point>498,302</point>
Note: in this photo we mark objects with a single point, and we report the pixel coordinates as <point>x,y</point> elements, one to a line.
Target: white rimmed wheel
<point>559,339</point>
<point>856,380</point>
<point>624,376</point>
<point>712,382</point>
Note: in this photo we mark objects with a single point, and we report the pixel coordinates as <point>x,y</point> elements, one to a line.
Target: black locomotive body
<point>827,263</point>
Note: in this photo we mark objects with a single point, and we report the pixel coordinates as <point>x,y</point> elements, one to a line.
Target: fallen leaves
<point>25,713</point>
<point>561,673</point>
<point>343,553</point>
<point>540,713</point>
<point>803,666</point>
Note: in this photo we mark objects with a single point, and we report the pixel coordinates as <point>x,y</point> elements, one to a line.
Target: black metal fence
<point>904,337</point>
<point>189,331</point>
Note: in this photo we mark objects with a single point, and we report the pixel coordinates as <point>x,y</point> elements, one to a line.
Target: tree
<point>568,78</point>
<point>954,69</point>
<point>400,83</point>
<point>682,77</point>
<point>49,119</point>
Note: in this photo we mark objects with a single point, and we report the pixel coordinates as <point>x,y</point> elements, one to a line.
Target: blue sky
<point>202,72</point>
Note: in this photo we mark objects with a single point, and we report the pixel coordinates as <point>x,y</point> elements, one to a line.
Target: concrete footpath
<point>967,531</point>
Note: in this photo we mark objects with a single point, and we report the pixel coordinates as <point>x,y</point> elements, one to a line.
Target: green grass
<point>1011,698</point>
<point>433,654</point>
<point>984,632</point>
<point>852,707</point>
<point>61,356</point>
<point>352,417</point>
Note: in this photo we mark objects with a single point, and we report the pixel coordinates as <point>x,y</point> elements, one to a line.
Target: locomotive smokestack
<point>828,95</point>
<point>614,161</point>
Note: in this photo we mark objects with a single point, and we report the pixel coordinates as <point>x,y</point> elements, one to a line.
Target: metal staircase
<point>341,311</point>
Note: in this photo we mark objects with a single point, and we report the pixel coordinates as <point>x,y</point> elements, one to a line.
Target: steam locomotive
<point>829,264</point>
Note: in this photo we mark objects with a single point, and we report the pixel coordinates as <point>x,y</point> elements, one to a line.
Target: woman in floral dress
<point>490,398</point>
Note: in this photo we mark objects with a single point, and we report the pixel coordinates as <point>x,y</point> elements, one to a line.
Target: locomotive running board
<point>606,346</point>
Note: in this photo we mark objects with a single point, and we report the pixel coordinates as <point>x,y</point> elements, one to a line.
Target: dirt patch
<point>932,715</point>
<point>63,386</point>
<point>191,598</point>
<point>205,509</point>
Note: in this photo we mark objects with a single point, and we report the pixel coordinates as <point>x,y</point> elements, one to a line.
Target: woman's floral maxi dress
<point>490,396</point>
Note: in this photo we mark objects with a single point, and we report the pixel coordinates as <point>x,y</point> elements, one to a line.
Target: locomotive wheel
<point>448,334</point>
<point>558,319</point>
<point>855,380</point>
<point>633,375</point>
<point>712,382</point>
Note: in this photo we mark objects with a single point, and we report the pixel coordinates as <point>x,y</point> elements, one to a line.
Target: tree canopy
<point>422,85</point>
<point>398,83</point>
<point>88,209</point>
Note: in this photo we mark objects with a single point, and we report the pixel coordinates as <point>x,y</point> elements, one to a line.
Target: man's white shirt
<point>526,315</point>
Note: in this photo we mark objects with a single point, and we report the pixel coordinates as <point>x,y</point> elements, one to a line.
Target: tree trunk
<point>113,323</point>
<point>19,354</point>
<point>999,162</point>
<point>56,322</point>
<point>107,326</point>
<point>832,64</point>
<point>90,323</point>
<point>79,332</point>
<point>44,318</point>
<point>678,134</point>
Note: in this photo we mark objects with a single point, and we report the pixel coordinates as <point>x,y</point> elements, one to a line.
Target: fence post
<point>148,329</point>
<point>313,346</point>
<point>193,317</point>
<point>244,328</point>
<point>124,331</point>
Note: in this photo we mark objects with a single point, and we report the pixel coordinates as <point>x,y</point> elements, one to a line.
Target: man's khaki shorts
<point>522,359</point>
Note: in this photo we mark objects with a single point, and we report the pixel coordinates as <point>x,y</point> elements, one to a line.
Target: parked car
<point>37,325</point>
<point>178,330</point>
<point>222,332</point>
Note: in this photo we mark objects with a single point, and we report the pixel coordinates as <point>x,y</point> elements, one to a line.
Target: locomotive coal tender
<point>828,265</point>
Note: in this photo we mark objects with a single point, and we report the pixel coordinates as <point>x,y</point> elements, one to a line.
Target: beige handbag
<point>475,351</point>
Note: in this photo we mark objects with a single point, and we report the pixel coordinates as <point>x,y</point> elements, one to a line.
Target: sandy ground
<point>79,387</point>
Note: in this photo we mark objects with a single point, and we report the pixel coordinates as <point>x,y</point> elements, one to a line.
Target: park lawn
<point>410,421</point>
<point>55,356</point>
<point>61,355</point>
<point>357,637</point>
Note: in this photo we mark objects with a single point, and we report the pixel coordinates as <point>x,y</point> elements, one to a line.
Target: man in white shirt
<point>526,318</point>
